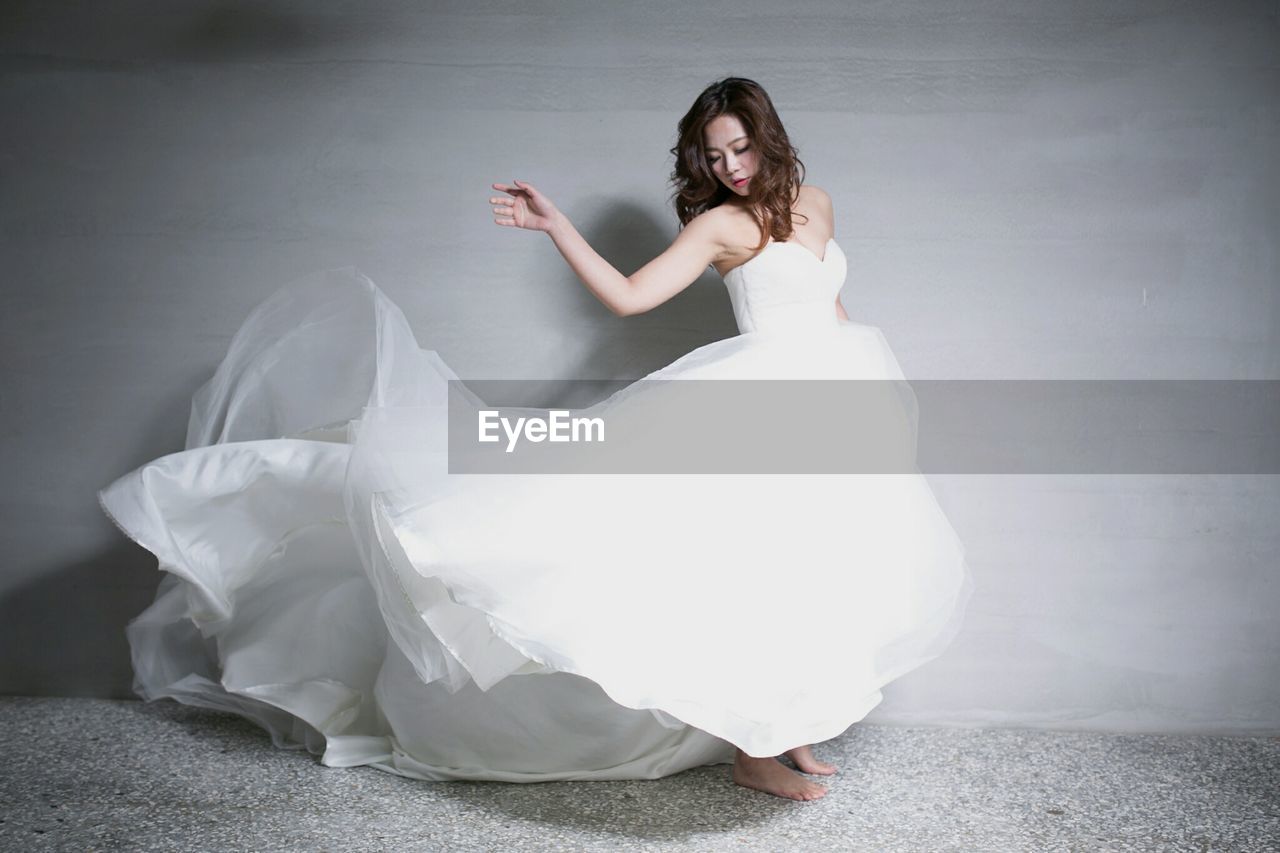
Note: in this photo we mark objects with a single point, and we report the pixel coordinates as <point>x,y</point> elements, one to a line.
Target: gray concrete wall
<point>1023,189</point>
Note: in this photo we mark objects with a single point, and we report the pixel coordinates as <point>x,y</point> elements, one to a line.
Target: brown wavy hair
<point>779,171</point>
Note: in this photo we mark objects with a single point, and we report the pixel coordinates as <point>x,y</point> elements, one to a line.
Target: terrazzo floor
<point>96,774</point>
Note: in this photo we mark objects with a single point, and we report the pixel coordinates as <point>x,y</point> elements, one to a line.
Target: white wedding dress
<point>326,577</point>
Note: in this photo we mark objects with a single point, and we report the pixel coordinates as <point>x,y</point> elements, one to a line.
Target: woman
<point>330,578</point>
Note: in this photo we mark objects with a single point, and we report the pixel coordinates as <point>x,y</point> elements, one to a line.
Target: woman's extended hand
<point>527,208</point>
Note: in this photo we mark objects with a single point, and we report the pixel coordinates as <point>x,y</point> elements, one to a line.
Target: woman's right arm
<point>695,247</point>
<point>679,266</point>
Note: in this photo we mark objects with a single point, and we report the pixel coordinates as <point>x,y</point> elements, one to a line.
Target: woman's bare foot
<point>803,757</point>
<point>772,777</point>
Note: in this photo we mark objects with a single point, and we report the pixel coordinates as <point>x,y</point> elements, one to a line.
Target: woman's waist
<point>801,318</point>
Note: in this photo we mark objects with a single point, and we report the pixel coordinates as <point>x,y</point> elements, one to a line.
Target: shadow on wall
<point>64,627</point>
<point>628,236</point>
<point>67,625</point>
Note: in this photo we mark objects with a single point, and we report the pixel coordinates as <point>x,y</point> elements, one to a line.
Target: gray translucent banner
<point>691,426</point>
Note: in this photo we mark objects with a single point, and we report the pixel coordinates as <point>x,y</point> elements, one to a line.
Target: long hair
<point>779,171</point>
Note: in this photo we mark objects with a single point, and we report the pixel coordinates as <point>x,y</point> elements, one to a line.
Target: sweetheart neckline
<point>820,260</point>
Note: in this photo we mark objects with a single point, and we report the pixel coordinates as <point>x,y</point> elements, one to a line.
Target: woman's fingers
<point>514,215</point>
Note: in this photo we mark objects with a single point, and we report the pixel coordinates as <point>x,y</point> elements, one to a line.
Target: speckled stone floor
<point>88,774</point>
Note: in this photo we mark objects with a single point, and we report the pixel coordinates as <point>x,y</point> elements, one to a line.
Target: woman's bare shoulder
<point>816,193</point>
<point>729,229</point>
<point>719,214</point>
<point>720,224</point>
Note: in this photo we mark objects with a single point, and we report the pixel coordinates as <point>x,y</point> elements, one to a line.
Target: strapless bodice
<point>786,288</point>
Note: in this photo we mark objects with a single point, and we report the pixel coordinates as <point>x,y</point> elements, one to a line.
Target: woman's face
<point>730,153</point>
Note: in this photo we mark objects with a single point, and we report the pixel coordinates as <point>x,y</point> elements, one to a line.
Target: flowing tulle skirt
<point>327,577</point>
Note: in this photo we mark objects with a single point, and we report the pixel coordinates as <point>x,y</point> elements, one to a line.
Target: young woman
<point>328,577</point>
